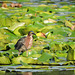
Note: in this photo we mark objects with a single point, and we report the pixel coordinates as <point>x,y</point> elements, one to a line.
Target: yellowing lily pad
<point>17,60</point>
<point>32,66</point>
<point>23,67</point>
<point>71,55</point>
<point>4,60</point>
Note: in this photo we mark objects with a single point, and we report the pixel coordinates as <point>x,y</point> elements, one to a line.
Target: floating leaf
<point>44,57</point>
<point>4,60</point>
<point>71,55</point>
<point>17,60</point>
<point>68,24</point>
<point>30,53</point>
<point>15,28</point>
<point>24,64</point>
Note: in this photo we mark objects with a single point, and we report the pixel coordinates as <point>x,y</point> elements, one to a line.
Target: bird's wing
<point>20,43</point>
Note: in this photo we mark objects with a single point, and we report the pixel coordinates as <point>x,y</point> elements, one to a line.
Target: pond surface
<point>7,70</point>
<point>52,70</point>
<point>55,72</point>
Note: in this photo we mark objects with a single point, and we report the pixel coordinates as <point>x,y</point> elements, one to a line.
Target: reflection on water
<point>56,72</point>
<point>27,73</point>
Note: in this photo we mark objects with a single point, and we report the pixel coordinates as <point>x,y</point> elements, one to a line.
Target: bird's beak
<point>33,33</point>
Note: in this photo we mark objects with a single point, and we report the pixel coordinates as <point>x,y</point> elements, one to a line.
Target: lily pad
<point>30,53</point>
<point>71,55</point>
<point>44,57</point>
<point>17,60</point>
<point>15,28</point>
<point>4,60</point>
<point>68,24</point>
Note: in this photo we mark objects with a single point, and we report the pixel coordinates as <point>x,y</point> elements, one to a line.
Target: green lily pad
<point>26,21</point>
<point>31,27</point>
<point>61,54</point>
<point>68,24</point>
<point>30,53</point>
<point>68,62</point>
<point>15,28</point>
<point>11,45</point>
<point>36,55</point>
<point>4,60</point>
<point>71,55</point>
<point>17,60</point>
<point>31,61</point>
<point>44,57</point>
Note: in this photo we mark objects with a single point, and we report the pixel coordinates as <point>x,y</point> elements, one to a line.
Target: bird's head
<point>31,33</point>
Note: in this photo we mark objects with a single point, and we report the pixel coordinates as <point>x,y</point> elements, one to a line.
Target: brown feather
<point>25,43</point>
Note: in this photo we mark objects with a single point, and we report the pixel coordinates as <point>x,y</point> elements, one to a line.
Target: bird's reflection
<point>27,73</point>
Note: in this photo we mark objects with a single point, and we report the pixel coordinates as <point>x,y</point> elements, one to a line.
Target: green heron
<point>25,43</point>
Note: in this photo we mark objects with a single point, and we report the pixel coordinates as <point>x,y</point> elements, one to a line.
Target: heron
<point>25,43</point>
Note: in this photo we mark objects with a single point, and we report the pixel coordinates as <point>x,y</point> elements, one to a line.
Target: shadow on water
<point>56,72</point>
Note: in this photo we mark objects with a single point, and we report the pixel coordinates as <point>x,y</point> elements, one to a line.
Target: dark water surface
<point>56,72</point>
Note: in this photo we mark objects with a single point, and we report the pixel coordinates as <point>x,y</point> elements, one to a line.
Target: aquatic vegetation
<point>4,60</point>
<point>54,42</point>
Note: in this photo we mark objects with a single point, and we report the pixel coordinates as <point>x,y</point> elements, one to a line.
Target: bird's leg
<point>27,53</point>
<point>19,53</point>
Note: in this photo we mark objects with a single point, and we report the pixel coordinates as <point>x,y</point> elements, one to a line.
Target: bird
<point>4,5</point>
<point>25,43</point>
<point>16,5</point>
<point>12,5</point>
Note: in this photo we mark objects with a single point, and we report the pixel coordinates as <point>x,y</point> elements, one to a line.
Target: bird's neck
<point>29,36</point>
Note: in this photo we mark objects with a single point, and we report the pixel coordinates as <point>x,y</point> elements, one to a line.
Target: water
<point>52,70</point>
<point>55,72</point>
